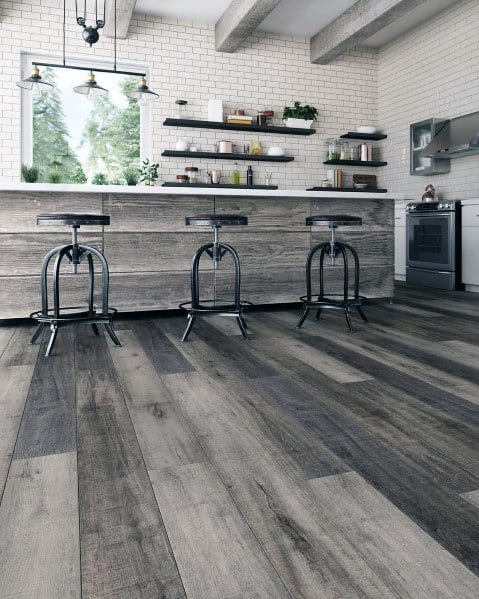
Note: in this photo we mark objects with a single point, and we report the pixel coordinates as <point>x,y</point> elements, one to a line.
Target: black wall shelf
<point>365,136</point>
<point>356,162</point>
<point>349,189</point>
<point>231,127</point>
<point>218,156</point>
<point>217,185</point>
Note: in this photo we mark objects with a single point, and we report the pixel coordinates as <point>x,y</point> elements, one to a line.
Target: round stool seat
<point>76,219</point>
<point>334,220</point>
<point>216,220</point>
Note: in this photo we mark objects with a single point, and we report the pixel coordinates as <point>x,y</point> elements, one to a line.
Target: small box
<point>215,110</point>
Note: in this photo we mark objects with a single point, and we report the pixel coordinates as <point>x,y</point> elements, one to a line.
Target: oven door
<point>430,240</point>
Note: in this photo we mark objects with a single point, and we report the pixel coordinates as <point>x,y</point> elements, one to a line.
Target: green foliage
<point>112,134</point>
<point>30,173</point>
<point>50,133</point>
<point>54,177</point>
<point>149,172</point>
<point>306,112</point>
<point>131,175</point>
<point>99,179</point>
<point>78,176</point>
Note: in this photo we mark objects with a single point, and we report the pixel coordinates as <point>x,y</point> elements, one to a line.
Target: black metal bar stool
<point>215,250</point>
<point>333,249</point>
<point>75,253</point>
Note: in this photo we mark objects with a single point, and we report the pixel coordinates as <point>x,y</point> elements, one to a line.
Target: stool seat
<point>75,219</point>
<point>216,220</point>
<point>334,220</point>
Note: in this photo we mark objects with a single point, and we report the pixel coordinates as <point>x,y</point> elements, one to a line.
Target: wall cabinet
<point>421,135</point>
<point>470,244</point>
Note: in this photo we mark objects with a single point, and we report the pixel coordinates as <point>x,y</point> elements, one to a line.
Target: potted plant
<point>99,179</point>
<point>131,175</point>
<point>149,172</point>
<point>30,173</point>
<point>299,116</point>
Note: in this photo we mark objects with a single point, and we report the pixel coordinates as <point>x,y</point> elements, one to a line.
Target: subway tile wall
<point>432,71</point>
<point>268,71</point>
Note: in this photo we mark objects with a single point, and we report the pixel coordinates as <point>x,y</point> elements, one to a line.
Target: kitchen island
<point>149,248</point>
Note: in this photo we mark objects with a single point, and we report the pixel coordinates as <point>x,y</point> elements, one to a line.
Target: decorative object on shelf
<point>430,194</point>
<point>246,149</point>
<point>149,172</point>
<point>193,149</point>
<point>215,176</point>
<point>182,179</point>
<point>344,151</point>
<point>182,144</point>
<point>249,176</point>
<point>368,130</point>
<point>215,110</point>
<point>332,149</point>
<point>235,127</point>
<point>235,176</point>
<point>364,181</point>
<point>30,173</point>
<point>261,118</point>
<point>142,93</point>
<point>255,147</point>
<point>225,146</point>
<point>131,175</point>
<point>269,114</point>
<point>326,183</point>
<point>268,179</point>
<point>235,119</point>
<point>181,108</point>
<point>300,116</point>
<point>192,172</point>
<point>276,151</point>
<point>238,111</point>
<point>90,88</point>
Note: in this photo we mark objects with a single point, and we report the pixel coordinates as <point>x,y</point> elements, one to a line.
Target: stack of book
<point>236,119</point>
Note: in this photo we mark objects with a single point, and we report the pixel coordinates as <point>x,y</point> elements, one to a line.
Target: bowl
<point>275,151</point>
<point>369,130</point>
<point>360,185</point>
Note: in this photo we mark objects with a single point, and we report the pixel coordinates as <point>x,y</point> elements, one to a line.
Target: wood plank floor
<point>310,463</point>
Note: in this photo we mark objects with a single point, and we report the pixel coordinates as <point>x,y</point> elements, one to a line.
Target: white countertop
<point>157,190</point>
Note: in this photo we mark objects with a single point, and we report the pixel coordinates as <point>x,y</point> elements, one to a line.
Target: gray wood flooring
<point>309,463</point>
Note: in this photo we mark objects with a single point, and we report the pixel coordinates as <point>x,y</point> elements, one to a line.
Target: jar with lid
<point>332,149</point>
<point>192,173</point>
<point>235,176</point>
<point>344,151</point>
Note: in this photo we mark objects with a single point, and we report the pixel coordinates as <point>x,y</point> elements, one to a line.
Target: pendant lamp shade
<point>90,88</point>
<point>35,83</point>
<point>142,93</point>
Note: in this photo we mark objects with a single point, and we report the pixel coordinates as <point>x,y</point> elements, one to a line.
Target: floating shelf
<point>230,127</point>
<point>349,189</point>
<point>356,162</point>
<point>229,156</point>
<point>217,185</point>
<point>366,136</point>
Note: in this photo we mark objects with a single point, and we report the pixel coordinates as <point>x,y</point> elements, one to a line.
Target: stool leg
<point>348,320</point>
<point>361,313</point>
<point>37,333</point>
<point>242,326</point>
<point>53,336</point>
<point>303,318</point>
<point>189,326</point>
<point>318,313</point>
<point>95,329</point>
<point>112,335</point>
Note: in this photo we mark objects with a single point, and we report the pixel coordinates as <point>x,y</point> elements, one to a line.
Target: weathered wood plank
<point>472,497</point>
<point>39,545</point>
<point>199,512</point>
<point>48,423</point>
<point>124,549</point>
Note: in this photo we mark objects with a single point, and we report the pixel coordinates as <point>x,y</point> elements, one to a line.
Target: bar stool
<point>75,253</point>
<point>333,249</point>
<point>215,250</point>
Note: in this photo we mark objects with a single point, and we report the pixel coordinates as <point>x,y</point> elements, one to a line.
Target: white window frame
<point>29,58</point>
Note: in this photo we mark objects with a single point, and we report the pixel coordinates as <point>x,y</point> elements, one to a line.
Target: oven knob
<point>441,206</point>
<point>447,205</point>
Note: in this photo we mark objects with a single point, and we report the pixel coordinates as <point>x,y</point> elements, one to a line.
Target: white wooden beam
<point>360,21</point>
<point>239,20</point>
<point>124,12</point>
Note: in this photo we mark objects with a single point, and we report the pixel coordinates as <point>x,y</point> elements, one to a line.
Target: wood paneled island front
<point>149,249</point>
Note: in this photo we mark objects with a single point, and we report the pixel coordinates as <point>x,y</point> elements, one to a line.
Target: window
<point>72,139</point>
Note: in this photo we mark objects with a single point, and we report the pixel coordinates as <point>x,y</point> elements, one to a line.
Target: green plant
<point>78,176</point>
<point>149,172</point>
<point>131,175</point>
<point>30,173</point>
<point>306,112</point>
<point>99,179</point>
<point>54,177</point>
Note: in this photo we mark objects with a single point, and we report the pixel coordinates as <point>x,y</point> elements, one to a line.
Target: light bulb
<point>90,95</point>
<point>143,100</point>
<point>36,90</point>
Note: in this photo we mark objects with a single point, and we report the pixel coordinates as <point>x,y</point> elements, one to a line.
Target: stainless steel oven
<point>433,244</point>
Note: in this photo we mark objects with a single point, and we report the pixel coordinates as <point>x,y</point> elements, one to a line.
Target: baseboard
<point>472,288</point>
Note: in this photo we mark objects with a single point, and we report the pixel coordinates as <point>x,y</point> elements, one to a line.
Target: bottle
<point>249,176</point>
<point>235,175</point>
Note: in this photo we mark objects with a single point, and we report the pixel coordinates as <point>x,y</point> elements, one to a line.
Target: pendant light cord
<point>115,40</point>
<point>64,28</point>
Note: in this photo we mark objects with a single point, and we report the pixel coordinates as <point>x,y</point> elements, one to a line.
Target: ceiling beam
<point>239,21</point>
<point>124,12</point>
<point>358,23</point>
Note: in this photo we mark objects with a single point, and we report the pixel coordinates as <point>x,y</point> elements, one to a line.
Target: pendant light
<point>142,93</point>
<point>90,88</point>
<point>35,83</point>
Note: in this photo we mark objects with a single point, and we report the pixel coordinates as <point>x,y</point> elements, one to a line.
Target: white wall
<point>433,71</point>
<point>267,72</point>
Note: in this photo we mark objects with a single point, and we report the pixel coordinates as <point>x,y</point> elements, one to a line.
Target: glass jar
<point>192,172</point>
<point>332,149</point>
<point>345,151</point>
